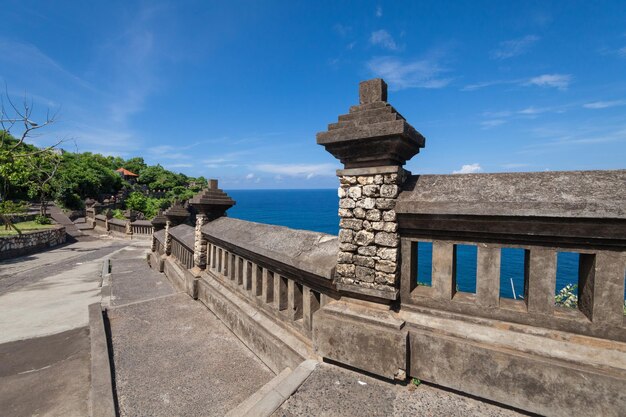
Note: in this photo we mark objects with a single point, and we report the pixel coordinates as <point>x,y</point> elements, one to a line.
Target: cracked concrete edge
<point>101,396</point>
<point>272,395</point>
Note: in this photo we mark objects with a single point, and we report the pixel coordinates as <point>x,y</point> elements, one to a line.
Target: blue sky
<point>237,90</point>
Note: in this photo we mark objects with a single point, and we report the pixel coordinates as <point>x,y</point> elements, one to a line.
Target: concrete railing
<point>117,226</point>
<point>182,245</point>
<point>101,221</point>
<point>267,265</point>
<point>141,227</point>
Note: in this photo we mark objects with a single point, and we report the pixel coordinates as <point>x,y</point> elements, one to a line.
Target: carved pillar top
<point>176,214</point>
<point>373,133</point>
<point>212,201</point>
<point>158,222</point>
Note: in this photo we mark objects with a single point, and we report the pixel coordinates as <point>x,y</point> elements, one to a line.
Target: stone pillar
<point>373,142</point>
<point>131,216</point>
<point>108,215</point>
<point>175,215</point>
<point>211,203</point>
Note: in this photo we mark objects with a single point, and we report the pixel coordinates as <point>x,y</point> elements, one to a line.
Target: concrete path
<point>332,391</point>
<point>57,214</point>
<point>172,356</point>
<point>44,341</point>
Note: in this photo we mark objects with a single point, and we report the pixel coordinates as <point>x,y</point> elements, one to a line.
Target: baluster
<point>488,276</point>
<point>443,270</point>
<point>280,292</point>
<point>311,303</point>
<point>541,280</point>
<point>294,299</point>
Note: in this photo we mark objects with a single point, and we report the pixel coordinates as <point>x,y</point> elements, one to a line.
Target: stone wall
<point>30,242</point>
<point>368,251</point>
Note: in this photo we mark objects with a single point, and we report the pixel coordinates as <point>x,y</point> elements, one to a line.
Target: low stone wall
<point>20,217</point>
<point>30,242</point>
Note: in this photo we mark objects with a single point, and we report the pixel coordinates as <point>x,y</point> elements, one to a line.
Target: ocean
<point>316,210</point>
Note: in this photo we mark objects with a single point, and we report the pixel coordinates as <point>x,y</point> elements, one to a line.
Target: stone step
<point>366,113</point>
<point>379,118</point>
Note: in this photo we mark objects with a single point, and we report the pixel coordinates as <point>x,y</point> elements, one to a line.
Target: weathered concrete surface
<point>46,376</point>
<point>101,393</point>
<point>49,292</point>
<point>365,338</point>
<point>587,194</point>
<point>312,252</point>
<point>131,280</point>
<point>171,355</point>
<point>331,391</point>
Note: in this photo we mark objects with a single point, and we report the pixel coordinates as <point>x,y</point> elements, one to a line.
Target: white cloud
<point>560,81</point>
<point>383,39</point>
<point>250,176</point>
<point>488,124</point>
<point>622,51</point>
<point>295,170</point>
<point>419,73</point>
<point>469,169</point>
<point>604,104</point>
<point>513,47</point>
<point>379,11</point>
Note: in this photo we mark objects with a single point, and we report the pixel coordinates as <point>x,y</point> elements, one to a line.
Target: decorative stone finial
<point>373,133</point>
<point>158,222</point>
<point>176,214</point>
<point>212,201</point>
<point>371,91</point>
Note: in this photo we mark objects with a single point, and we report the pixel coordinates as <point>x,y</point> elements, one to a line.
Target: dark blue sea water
<point>317,210</point>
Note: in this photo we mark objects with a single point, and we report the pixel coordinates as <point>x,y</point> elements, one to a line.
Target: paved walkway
<point>172,356</point>
<point>44,338</point>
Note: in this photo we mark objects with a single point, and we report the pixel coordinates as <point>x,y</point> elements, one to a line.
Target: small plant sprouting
<point>416,382</point>
<point>567,297</point>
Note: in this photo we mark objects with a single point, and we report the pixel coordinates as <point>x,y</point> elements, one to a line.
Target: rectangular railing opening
<point>513,273</point>
<point>239,269</point>
<point>295,300</point>
<point>568,268</point>
<point>465,260</point>
<point>424,260</point>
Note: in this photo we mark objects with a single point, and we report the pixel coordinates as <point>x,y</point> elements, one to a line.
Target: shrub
<point>42,220</point>
<point>10,207</point>
<point>567,297</point>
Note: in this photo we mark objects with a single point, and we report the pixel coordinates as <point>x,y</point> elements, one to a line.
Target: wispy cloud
<point>489,124</point>
<point>379,11</point>
<point>383,39</point>
<point>604,104</point>
<point>513,47</point>
<point>560,81</point>
<point>342,30</point>
<point>179,165</point>
<point>469,169</point>
<point>418,73</point>
<point>296,170</point>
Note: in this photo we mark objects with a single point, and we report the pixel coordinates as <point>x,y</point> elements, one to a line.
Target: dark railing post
<point>175,215</point>
<point>211,203</point>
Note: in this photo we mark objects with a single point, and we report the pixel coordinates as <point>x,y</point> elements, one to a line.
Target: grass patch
<point>24,227</point>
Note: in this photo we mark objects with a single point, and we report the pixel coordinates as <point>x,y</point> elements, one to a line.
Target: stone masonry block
<point>389,191</point>
<point>364,274</point>
<point>344,257</point>
<point>385,203</point>
<point>367,203</point>
<point>373,215</point>
<point>386,239</point>
<point>389,216</point>
<point>371,190</point>
<point>345,213</point>
<point>347,203</point>
<point>365,180</point>
<point>367,250</point>
<point>347,180</point>
<point>367,225</point>
<point>364,238</point>
<point>359,213</point>
<point>341,192</point>
<point>390,254</point>
<point>378,179</point>
<point>364,261</point>
<point>346,270</point>
<point>347,247</point>
<point>390,227</point>
<point>386,266</point>
<point>354,224</point>
<point>346,236</point>
<point>355,192</point>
